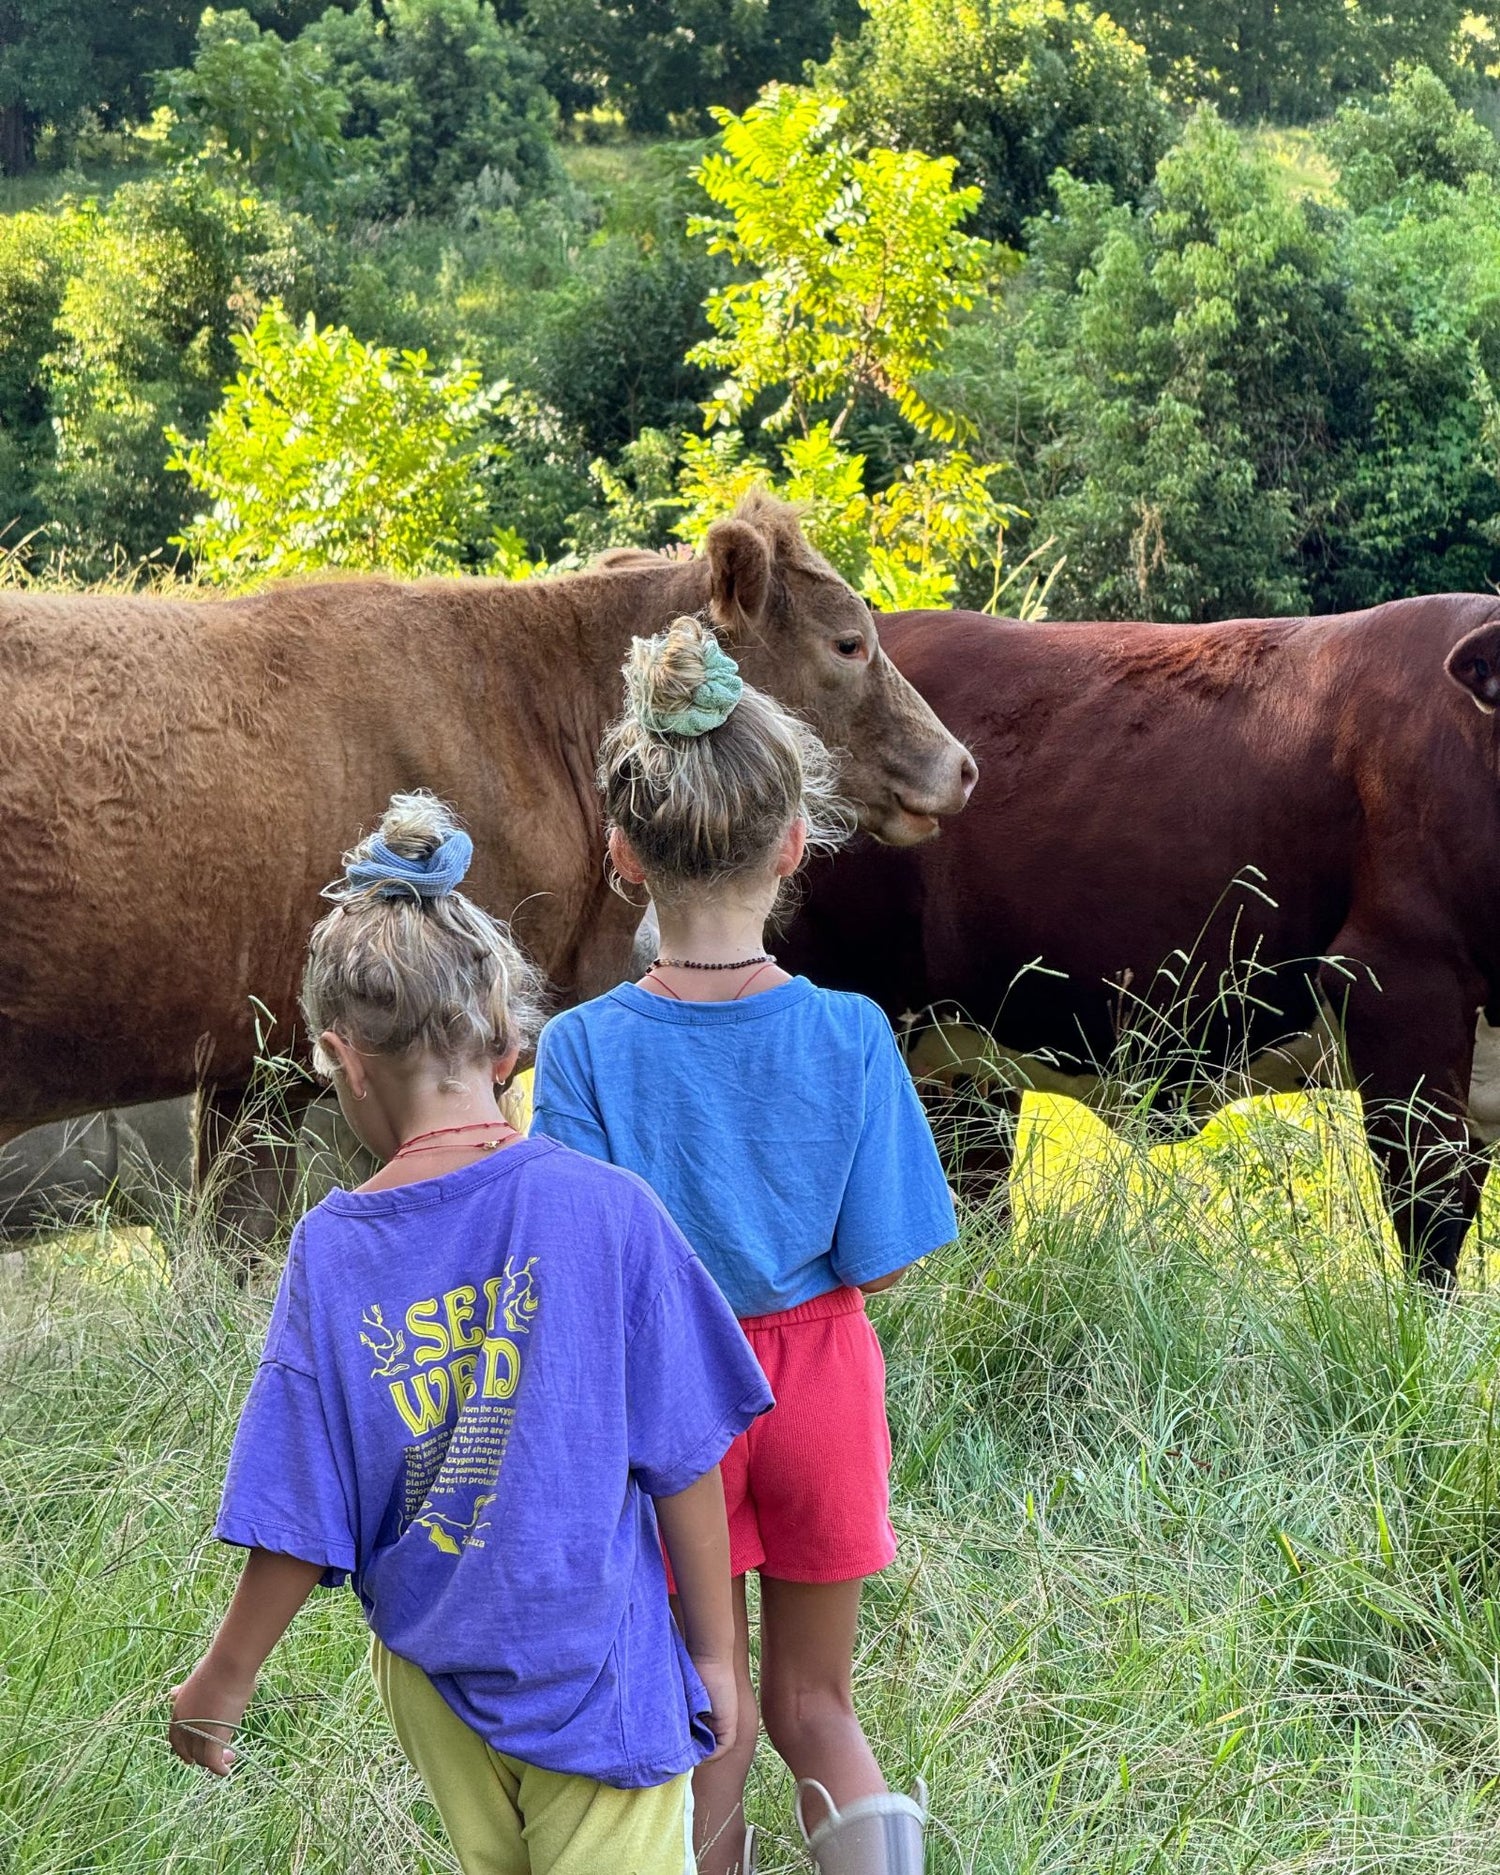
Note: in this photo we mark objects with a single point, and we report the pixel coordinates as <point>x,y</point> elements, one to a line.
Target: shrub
<point>158,281</point>
<point>438,95</point>
<point>1013,89</point>
<point>326,452</point>
<point>266,103</point>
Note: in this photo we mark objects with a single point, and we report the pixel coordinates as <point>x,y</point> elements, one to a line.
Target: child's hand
<point>206,1708</point>
<point>723,1701</point>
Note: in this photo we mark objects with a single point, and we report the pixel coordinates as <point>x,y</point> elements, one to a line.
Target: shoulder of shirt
<point>579,1168</point>
<point>579,1016</point>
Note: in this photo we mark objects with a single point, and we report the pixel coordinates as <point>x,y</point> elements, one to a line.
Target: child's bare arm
<point>695,1532</point>
<point>211,1700</point>
<point>884,1282</point>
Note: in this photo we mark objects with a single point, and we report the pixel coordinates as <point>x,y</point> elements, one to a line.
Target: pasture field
<point>1199,1505</point>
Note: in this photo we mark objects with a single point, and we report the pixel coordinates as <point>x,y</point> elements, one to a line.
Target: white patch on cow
<point>1484,1084</point>
<point>950,1051</point>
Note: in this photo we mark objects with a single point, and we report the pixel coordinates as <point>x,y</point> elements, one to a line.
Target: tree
<point>326,452</point>
<point>1168,375</point>
<point>859,265</point>
<point>1014,89</point>
<point>852,266</point>
<point>1416,134</point>
<point>1291,59</point>
<point>267,103</point>
<point>437,94</point>
<point>59,58</point>
<point>663,61</point>
<point>155,282</point>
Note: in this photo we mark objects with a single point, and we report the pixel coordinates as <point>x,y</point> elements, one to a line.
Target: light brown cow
<point>178,780</point>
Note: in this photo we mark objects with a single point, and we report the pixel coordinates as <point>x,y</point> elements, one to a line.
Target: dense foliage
<point>1015,89</point>
<point>1002,286</point>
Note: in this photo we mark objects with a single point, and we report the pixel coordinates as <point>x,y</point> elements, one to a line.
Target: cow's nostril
<point>968,774</point>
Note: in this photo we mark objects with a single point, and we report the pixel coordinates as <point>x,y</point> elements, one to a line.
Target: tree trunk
<point>15,139</point>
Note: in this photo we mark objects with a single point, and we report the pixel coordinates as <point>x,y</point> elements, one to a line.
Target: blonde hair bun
<point>682,682</point>
<point>704,774</point>
<point>405,963</point>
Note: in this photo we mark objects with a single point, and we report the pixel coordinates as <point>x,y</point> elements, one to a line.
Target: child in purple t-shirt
<point>495,1373</point>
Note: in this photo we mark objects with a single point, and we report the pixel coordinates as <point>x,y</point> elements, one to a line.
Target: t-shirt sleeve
<point>563,1104</point>
<point>692,1383</point>
<point>288,1485</point>
<point>896,1205</point>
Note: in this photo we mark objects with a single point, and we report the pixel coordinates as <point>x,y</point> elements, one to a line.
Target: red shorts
<point>807,1487</point>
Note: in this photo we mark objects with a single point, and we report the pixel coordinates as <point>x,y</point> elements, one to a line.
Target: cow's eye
<point>849,647</point>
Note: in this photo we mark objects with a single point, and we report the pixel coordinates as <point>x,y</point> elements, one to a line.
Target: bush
<point>439,96</point>
<point>267,104</point>
<point>1168,373</point>
<point>609,352</point>
<point>1015,89</point>
<point>1416,134</point>
<point>326,452</point>
<point>158,281</point>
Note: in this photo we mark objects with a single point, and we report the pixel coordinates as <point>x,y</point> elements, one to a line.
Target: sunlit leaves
<point>330,453</point>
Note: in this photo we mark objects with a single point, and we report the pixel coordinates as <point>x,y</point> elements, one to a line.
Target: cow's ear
<point>739,569</point>
<point>1474,665</point>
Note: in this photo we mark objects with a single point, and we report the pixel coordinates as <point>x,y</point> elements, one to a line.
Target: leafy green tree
<point>36,254</point>
<point>1415,134</point>
<point>267,103</point>
<point>437,95</point>
<point>609,353</point>
<point>660,62</point>
<point>330,453</point>
<point>156,282</point>
<point>1014,89</point>
<point>859,264</point>
<point>1290,59</point>
<point>850,269</point>
<point>59,58</point>
<point>1168,374</point>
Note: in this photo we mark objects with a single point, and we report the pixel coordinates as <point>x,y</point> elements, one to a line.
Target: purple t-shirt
<point>472,1388</point>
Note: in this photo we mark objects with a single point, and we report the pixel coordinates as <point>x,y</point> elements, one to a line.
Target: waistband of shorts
<point>836,1302</point>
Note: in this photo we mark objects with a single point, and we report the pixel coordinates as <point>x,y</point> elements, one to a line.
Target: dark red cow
<point>1230,834</point>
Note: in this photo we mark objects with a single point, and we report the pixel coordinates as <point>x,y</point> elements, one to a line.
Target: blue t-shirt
<point>471,1389</point>
<point>782,1132</point>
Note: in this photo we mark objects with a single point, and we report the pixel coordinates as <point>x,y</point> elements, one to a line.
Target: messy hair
<point>698,809</point>
<point>403,974</point>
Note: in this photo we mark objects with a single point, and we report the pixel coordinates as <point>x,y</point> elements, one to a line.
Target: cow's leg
<point>245,1163</point>
<point>1409,1032</point>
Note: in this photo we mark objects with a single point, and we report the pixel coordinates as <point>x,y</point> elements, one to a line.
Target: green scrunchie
<point>712,701</point>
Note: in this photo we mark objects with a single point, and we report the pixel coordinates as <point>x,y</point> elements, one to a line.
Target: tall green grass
<point>1199,1504</point>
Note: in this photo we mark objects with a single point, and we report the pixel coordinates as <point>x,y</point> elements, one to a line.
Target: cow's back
<point>1160,810</point>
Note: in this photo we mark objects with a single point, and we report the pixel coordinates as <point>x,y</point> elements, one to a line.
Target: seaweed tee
<point>472,1388</point>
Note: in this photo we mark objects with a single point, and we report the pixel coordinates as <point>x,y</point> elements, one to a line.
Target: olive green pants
<point>508,1818</point>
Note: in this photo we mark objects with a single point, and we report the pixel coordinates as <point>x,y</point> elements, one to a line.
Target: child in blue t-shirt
<point>777,1123</point>
<point>493,1374</point>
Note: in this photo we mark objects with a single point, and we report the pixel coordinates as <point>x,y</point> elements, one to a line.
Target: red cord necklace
<point>501,1133</point>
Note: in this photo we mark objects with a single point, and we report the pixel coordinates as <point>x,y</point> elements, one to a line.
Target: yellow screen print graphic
<point>452,1371</point>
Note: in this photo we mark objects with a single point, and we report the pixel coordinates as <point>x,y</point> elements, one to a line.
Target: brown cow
<point>178,780</point>
<point>1130,776</point>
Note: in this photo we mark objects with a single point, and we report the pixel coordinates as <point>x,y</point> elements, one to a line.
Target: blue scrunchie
<point>712,701</point>
<point>394,877</point>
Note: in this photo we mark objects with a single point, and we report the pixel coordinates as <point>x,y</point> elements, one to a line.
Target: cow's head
<point>1474,665</point>
<point>802,635</point>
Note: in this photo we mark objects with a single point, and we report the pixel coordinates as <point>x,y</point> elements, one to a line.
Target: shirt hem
<point>688,1469</point>
<point>280,1541</point>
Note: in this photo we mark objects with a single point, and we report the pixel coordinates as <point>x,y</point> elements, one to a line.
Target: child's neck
<point>413,1107</point>
<point>713,930</point>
